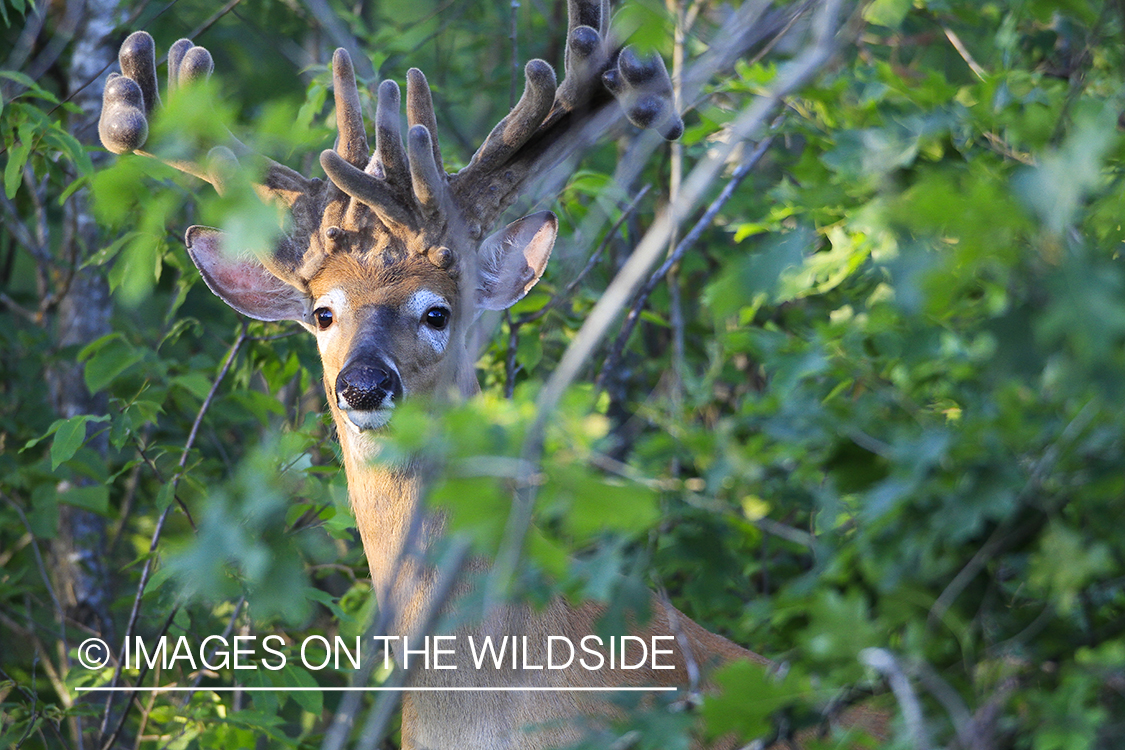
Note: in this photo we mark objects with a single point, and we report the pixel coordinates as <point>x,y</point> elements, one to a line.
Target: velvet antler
<point>399,201</point>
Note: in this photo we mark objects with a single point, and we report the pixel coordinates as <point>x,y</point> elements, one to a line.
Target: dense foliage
<point>868,426</point>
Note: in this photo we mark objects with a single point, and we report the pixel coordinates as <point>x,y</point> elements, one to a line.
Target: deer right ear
<point>243,282</point>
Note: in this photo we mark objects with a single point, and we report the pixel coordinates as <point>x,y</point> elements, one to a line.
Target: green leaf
<point>113,356</point>
<point>1065,562</point>
<point>70,436</point>
<point>749,694</point>
<point>328,601</point>
<point>50,431</point>
<point>297,676</point>
<point>74,186</point>
<point>107,253</point>
<point>1056,187</point>
<point>196,383</point>
<point>91,497</point>
<point>13,171</point>
<point>165,495</point>
<point>588,504</point>
<point>759,273</point>
<point>889,13</point>
<point>69,145</point>
<point>20,78</point>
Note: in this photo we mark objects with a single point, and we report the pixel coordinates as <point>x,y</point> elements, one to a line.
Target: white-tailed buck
<point>387,262</point>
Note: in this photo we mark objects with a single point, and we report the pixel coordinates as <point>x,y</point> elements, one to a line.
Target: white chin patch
<point>372,419</point>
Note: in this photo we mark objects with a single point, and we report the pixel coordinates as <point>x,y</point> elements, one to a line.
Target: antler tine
<point>390,156</point>
<point>175,58</point>
<point>420,110</point>
<point>130,99</point>
<point>645,93</point>
<point>584,59</point>
<point>351,143</point>
<point>586,13</point>
<point>403,186</point>
<point>513,131</point>
<point>425,172</point>
<point>137,57</point>
<point>538,132</point>
<point>368,189</point>
<point>191,65</point>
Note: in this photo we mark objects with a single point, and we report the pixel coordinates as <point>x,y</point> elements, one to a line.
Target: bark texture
<point>83,315</point>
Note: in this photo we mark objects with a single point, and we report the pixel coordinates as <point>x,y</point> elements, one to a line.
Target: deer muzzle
<point>366,391</point>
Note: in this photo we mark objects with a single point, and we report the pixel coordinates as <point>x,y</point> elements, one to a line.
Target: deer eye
<point>436,318</point>
<point>323,317</point>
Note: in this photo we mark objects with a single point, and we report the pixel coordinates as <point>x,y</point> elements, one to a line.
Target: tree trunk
<point>83,315</point>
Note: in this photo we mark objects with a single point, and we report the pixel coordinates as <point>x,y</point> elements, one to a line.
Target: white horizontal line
<point>499,689</point>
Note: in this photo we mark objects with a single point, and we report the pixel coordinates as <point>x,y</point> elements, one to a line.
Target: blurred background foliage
<point>870,425</point>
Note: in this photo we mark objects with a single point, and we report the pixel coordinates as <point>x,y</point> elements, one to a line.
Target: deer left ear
<point>243,282</point>
<point>511,261</point>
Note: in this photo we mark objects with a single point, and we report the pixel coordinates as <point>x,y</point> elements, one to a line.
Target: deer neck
<point>385,498</point>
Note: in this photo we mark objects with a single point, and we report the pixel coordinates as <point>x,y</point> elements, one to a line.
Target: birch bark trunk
<point>83,315</point>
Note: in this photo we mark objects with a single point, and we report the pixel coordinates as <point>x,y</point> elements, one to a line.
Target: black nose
<point>364,387</point>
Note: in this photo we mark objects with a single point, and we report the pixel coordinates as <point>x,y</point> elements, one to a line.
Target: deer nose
<point>364,387</point>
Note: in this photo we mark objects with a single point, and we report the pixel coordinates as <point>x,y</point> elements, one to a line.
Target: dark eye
<point>323,317</point>
<point>436,318</point>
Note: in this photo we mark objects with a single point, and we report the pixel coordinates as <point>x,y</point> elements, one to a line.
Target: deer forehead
<point>352,285</point>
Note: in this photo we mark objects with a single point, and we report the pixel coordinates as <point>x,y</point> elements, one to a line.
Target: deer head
<point>387,261</point>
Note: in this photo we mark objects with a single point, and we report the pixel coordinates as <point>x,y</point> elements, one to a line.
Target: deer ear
<point>513,259</point>
<point>242,281</point>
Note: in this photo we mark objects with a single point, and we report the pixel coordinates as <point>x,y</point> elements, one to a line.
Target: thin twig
<point>1004,534</point>
<point>29,635</point>
<point>223,639</point>
<point>146,571</point>
<point>214,19</point>
<point>590,262</point>
<point>42,569</point>
<point>142,673</point>
<point>675,180</point>
<point>687,243</point>
<point>97,75</point>
<point>963,51</point>
<point>511,368</point>
<point>32,316</point>
<point>160,480</point>
<point>341,35</point>
<point>32,697</point>
<point>15,226</point>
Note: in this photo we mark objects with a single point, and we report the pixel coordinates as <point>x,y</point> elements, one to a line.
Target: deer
<point>387,261</point>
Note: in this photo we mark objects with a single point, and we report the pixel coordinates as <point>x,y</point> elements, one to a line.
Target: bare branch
<point>884,662</point>
<point>963,51</point>
<point>146,571</point>
<point>686,244</point>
